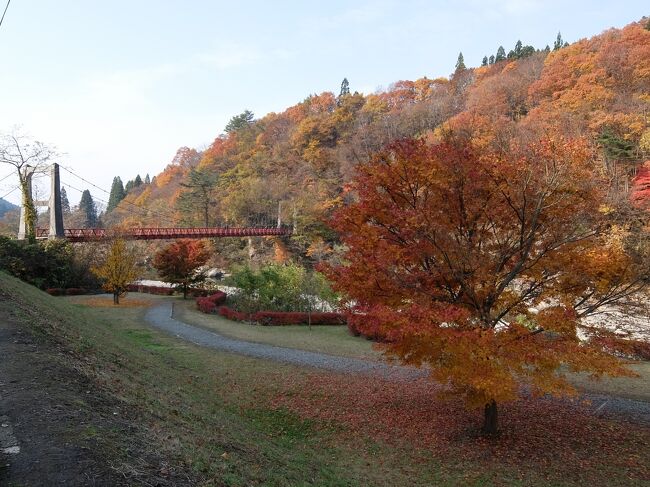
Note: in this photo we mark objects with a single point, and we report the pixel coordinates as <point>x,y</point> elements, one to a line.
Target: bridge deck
<point>95,234</point>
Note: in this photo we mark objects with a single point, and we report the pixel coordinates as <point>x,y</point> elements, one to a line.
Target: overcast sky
<point>117,86</point>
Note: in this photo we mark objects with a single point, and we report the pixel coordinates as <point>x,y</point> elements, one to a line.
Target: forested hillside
<point>302,158</point>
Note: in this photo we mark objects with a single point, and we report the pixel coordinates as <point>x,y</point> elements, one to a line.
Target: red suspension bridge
<point>95,234</point>
<point>57,230</point>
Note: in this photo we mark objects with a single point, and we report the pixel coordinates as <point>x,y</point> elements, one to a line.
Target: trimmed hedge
<point>209,304</point>
<point>55,291</point>
<point>279,318</point>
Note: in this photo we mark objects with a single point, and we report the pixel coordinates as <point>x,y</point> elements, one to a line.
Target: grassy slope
<point>218,410</point>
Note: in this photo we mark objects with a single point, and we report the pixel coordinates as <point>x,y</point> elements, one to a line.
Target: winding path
<point>160,317</point>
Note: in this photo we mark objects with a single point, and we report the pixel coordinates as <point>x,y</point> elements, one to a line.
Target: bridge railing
<point>167,233</point>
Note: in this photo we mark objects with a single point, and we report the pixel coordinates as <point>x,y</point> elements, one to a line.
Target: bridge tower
<point>53,204</point>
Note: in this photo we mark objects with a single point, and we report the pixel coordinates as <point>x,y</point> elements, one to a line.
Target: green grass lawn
<point>241,421</point>
<point>333,340</point>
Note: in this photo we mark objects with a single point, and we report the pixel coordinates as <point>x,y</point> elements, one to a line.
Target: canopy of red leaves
<point>451,246</point>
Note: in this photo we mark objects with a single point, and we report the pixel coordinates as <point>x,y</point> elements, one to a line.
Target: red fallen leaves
<point>544,436</point>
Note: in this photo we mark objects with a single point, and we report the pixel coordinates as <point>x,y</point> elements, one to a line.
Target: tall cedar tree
<point>117,194</point>
<point>345,88</point>
<point>501,54</point>
<point>65,203</point>
<point>88,210</point>
<point>481,265</point>
<point>460,63</point>
<point>118,270</point>
<point>179,262</point>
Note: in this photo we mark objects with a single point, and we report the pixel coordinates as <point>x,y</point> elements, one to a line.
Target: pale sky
<point>118,86</point>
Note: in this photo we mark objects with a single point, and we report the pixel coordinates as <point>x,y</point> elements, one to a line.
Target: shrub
<point>297,318</point>
<point>55,291</point>
<point>205,305</point>
<point>75,291</point>
<point>232,314</point>
<point>209,304</point>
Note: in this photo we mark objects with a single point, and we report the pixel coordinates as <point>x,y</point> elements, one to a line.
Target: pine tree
<point>147,179</point>
<point>559,43</point>
<point>129,186</point>
<point>491,60</point>
<point>65,203</point>
<point>198,196</point>
<point>501,54</point>
<point>345,88</point>
<point>137,181</point>
<point>117,194</point>
<point>485,61</point>
<point>238,122</point>
<point>88,210</point>
<point>460,63</point>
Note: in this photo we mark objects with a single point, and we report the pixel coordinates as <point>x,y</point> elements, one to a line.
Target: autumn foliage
<point>179,262</point>
<point>118,269</point>
<point>480,264</point>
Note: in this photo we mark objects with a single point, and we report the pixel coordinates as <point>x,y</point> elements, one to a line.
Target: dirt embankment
<point>57,428</point>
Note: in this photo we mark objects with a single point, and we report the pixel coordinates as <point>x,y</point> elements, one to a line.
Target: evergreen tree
<point>345,87</point>
<point>137,181</point>
<point>547,49</point>
<point>198,196</point>
<point>129,186</point>
<point>559,43</point>
<point>485,61</point>
<point>491,60</point>
<point>527,51</point>
<point>518,49</point>
<point>88,210</point>
<point>65,203</point>
<point>460,63</point>
<point>511,54</point>
<point>238,122</point>
<point>147,179</point>
<point>501,54</point>
<point>117,194</point>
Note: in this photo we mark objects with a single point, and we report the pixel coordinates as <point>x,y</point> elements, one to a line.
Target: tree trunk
<point>184,291</point>
<point>490,422</point>
<point>116,298</point>
<point>30,211</point>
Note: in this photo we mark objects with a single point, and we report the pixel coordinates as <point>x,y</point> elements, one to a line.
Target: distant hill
<point>5,206</point>
<point>304,157</point>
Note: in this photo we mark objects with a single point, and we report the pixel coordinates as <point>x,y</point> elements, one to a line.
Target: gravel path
<point>160,317</point>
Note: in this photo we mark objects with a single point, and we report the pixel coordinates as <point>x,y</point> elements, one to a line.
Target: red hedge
<point>209,304</point>
<point>75,291</point>
<point>55,291</point>
<point>276,318</point>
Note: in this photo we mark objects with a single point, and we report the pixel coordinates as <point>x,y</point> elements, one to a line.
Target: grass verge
<point>242,421</point>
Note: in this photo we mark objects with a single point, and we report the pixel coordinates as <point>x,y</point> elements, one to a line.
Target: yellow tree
<point>118,270</point>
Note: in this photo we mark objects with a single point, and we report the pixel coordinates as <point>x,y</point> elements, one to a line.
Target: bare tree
<point>27,156</point>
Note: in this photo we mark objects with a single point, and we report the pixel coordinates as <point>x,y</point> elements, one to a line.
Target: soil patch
<point>64,430</point>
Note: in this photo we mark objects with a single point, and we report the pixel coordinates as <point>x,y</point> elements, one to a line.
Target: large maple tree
<point>481,265</point>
